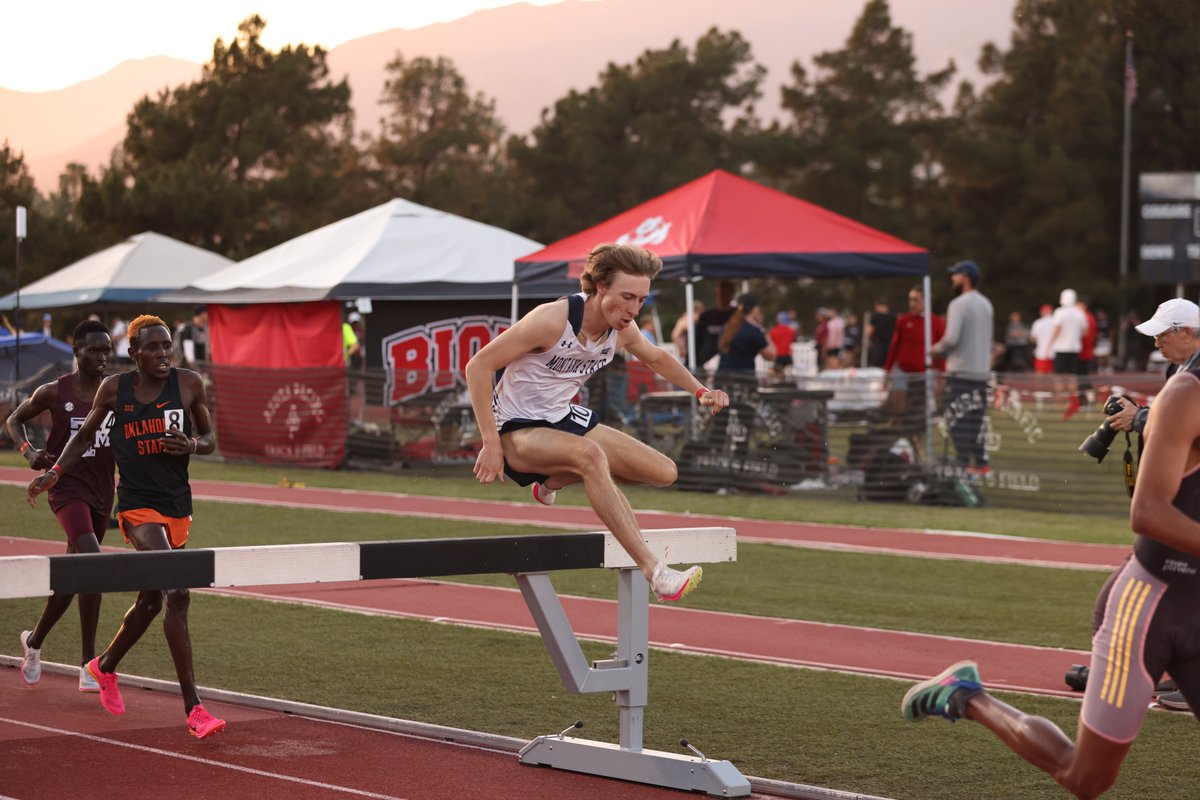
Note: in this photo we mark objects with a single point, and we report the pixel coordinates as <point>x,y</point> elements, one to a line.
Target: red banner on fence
<point>279,383</point>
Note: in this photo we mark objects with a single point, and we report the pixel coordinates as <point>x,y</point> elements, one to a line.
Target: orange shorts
<point>177,527</point>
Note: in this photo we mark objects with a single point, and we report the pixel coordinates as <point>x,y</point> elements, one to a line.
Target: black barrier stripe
<point>131,572</point>
<point>435,557</point>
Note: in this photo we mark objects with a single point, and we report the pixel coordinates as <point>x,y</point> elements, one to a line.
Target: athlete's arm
<point>81,440</point>
<point>669,367</point>
<point>536,331</point>
<point>43,399</point>
<point>195,399</point>
<point>1172,436</point>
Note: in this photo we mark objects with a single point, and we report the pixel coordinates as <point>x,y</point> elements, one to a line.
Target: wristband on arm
<point>25,446</point>
<point>56,471</point>
<point>701,392</point>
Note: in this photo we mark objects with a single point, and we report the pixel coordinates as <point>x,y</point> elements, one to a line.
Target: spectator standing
<point>782,335</point>
<point>906,357</point>
<point>879,332</point>
<point>194,339</point>
<point>835,338</point>
<point>852,341</point>
<point>712,323</point>
<point>1018,352</point>
<point>744,338</point>
<point>1103,341</point>
<point>1042,334</point>
<point>1070,325</point>
<point>1087,354</point>
<point>119,341</point>
<point>679,332</point>
<point>967,346</point>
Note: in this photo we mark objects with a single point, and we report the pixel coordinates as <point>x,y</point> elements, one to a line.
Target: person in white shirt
<point>533,433</point>
<point>1070,324</point>
<point>1042,332</point>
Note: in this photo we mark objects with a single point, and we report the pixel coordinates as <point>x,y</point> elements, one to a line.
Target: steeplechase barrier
<point>528,558</point>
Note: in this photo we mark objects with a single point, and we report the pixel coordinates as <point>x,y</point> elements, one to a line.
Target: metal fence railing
<point>847,433</point>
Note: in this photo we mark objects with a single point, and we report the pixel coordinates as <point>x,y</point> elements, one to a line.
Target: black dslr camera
<point>1096,445</point>
<point>1077,677</point>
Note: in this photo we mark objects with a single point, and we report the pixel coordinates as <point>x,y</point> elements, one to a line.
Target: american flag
<point>1130,75</point>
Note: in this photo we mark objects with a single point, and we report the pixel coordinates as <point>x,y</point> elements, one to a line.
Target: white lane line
<point>196,759</point>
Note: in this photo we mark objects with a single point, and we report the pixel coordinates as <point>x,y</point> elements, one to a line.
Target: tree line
<point>1021,175</point>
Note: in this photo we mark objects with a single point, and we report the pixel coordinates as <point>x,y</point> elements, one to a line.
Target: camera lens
<point>1098,443</point>
<point>1077,677</point>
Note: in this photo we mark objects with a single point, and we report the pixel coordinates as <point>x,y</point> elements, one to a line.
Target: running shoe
<point>543,495</point>
<point>202,724</point>
<point>31,664</point>
<point>110,695</point>
<point>932,697</point>
<point>1174,701</point>
<point>86,682</point>
<point>670,585</point>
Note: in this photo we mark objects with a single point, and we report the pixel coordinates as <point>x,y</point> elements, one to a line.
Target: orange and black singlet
<point>150,476</point>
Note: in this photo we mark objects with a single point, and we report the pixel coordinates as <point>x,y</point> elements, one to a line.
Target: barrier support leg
<point>626,675</point>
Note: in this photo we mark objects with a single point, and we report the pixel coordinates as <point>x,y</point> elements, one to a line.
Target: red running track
<point>59,743</point>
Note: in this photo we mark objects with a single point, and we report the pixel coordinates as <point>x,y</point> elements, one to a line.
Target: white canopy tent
<point>134,271</point>
<point>396,251</point>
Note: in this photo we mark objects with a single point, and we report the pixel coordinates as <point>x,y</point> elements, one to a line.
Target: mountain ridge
<point>524,57</point>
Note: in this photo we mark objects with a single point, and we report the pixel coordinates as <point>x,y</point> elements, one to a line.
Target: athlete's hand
<point>489,466</point>
<point>40,459</point>
<point>38,485</point>
<point>177,443</point>
<point>715,399</point>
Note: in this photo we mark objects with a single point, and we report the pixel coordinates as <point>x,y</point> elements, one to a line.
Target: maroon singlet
<point>91,480</point>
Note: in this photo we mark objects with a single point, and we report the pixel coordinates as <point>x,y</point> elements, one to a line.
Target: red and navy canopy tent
<point>723,226</point>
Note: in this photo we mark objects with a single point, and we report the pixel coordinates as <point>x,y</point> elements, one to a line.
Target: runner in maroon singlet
<point>156,409</point>
<point>83,498</point>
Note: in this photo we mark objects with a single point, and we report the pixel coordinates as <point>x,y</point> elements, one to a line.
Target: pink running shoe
<point>670,585</point>
<point>543,495</point>
<point>110,695</point>
<point>202,724</point>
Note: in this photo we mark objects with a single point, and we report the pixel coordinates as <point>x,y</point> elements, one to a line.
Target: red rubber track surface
<point>58,743</point>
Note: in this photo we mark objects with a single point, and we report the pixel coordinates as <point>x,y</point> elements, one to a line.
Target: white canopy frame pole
<point>927,285</point>
<point>689,293</point>
<point>516,293</point>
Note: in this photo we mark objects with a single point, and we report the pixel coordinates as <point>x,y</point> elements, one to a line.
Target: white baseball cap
<point>1177,313</point>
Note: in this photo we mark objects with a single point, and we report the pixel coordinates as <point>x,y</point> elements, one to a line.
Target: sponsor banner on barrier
<point>281,416</point>
<point>433,357</point>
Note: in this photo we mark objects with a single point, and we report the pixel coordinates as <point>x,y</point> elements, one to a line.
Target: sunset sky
<point>50,45</point>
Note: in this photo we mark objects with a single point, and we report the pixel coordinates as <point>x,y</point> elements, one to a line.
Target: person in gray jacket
<point>967,348</point>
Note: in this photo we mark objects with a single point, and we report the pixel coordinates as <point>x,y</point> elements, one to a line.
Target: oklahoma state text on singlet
<point>151,477</point>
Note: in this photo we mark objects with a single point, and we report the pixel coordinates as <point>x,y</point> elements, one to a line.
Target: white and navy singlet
<point>540,386</point>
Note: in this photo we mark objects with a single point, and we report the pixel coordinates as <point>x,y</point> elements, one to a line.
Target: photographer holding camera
<point>1174,326</point>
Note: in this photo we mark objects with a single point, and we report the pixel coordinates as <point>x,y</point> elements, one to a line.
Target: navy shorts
<point>579,421</point>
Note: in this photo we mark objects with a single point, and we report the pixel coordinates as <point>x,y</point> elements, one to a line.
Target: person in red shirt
<point>907,355</point>
<point>782,336</point>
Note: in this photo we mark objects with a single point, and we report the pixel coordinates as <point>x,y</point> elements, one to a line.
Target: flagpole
<point>21,232</point>
<point>1129,94</point>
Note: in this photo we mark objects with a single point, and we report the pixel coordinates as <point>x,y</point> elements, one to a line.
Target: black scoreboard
<point>1169,227</point>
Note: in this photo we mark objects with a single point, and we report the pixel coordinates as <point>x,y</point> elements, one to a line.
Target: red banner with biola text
<point>279,383</point>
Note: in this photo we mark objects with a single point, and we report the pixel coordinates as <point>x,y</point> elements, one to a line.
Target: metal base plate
<point>717,778</point>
